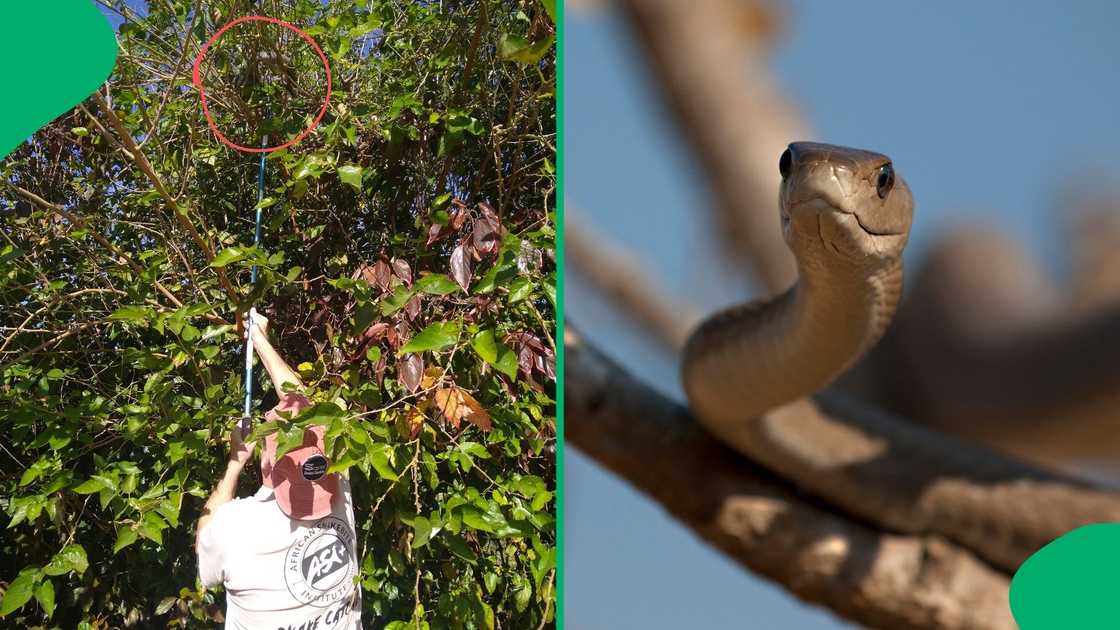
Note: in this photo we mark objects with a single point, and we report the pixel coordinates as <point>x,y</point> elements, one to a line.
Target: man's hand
<point>260,322</point>
<point>239,452</point>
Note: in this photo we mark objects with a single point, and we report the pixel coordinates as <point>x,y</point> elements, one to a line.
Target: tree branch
<point>708,57</point>
<point>870,577</point>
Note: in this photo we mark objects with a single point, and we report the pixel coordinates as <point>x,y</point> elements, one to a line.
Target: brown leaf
<point>456,405</point>
<point>437,232</point>
<point>477,416</point>
<point>403,271</point>
<point>431,376</point>
<point>382,274</point>
<point>487,237</point>
<point>412,309</point>
<point>450,405</point>
<point>458,216</point>
<point>534,360</point>
<point>461,267</point>
<point>414,421</point>
<point>364,272</point>
<point>379,369</point>
<point>411,369</point>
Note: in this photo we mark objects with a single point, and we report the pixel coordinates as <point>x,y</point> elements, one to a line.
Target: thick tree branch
<point>708,57</point>
<point>870,577</point>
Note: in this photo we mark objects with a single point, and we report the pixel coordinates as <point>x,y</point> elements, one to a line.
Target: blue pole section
<point>246,420</point>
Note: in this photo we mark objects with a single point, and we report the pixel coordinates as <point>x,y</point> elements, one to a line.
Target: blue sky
<point>990,111</point>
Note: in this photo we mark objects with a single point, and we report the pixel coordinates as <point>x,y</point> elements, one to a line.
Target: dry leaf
<point>414,421</point>
<point>456,405</point>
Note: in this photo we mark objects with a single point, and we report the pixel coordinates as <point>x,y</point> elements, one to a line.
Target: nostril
<point>785,163</point>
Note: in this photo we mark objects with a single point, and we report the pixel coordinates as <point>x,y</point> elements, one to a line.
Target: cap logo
<point>314,467</point>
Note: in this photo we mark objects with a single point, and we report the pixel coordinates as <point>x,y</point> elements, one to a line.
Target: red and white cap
<point>299,480</point>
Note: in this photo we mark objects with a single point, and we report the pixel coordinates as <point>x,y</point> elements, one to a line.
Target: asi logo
<point>319,567</point>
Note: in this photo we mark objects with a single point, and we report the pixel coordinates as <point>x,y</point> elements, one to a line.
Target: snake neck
<point>749,359</point>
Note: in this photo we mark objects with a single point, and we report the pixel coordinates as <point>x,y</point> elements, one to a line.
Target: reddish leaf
<point>379,369</point>
<point>458,216</point>
<point>365,273</point>
<point>411,370</point>
<point>461,267</point>
<point>534,360</point>
<point>412,309</point>
<point>436,232</point>
<point>382,274</point>
<point>403,271</point>
<point>487,237</point>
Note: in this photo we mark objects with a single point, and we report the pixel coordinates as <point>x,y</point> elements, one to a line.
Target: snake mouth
<point>869,230</point>
<point>821,204</point>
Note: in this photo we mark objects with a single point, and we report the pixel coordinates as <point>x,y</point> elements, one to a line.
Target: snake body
<point>747,372</point>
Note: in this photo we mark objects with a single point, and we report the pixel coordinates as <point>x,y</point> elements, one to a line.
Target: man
<point>286,555</point>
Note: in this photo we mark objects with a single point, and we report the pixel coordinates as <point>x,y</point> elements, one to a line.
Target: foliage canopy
<point>407,267</point>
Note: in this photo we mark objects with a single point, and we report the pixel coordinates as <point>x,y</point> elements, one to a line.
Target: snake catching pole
<point>246,420</point>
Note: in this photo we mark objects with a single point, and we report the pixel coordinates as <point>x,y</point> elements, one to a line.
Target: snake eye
<point>784,163</point>
<point>886,180</point>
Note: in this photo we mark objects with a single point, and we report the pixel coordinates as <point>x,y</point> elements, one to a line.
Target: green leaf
<point>351,174</point>
<point>89,486</point>
<point>373,354</point>
<point>152,528</point>
<point>265,203</point>
<point>436,284</point>
<point>495,352</point>
<point>227,256</point>
<point>434,337</point>
<point>520,289</point>
<point>215,331</point>
<point>516,48</point>
<point>379,458</point>
<point>459,547</point>
<point>44,594</point>
<point>20,590</point>
<point>125,537</point>
<point>423,532</point>
<point>550,9</point>
<point>396,301</point>
<point>130,314</point>
<point>165,605</point>
<point>71,558</point>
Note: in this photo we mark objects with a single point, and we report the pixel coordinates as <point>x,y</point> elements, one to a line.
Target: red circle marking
<point>197,79</point>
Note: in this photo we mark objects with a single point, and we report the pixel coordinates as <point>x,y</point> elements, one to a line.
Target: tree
<point>406,264</point>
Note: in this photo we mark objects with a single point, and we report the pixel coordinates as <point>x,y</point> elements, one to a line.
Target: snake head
<point>843,204</point>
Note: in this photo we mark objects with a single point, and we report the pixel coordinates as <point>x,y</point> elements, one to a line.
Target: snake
<point>753,375</point>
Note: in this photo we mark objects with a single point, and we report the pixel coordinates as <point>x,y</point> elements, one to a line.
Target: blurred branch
<point>870,577</point>
<point>617,274</point>
<point>709,58</point>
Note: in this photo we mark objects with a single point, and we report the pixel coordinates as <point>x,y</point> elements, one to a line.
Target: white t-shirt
<point>280,573</point>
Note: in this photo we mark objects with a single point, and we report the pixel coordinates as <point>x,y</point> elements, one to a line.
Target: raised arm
<point>278,370</point>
